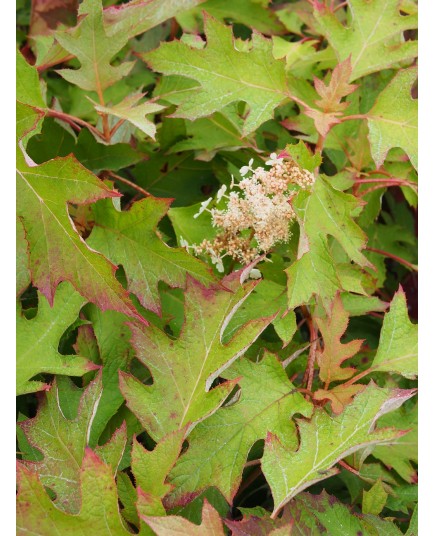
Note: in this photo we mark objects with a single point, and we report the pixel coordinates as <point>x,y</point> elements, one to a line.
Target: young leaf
<point>62,442</point>
<point>219,446</point>
<point>129,110</point>
<point>89,42</point>
<point>331,96</point>
<point>38,340</point>
<point>130,238</point>
<point>397,349</point>
<point>325,440</point>
<point>372,34</point>
<point>98,503</point>
<point>184,369</point>
<point>334,353</point>
<point>226,74</point>
<point>340,396</point>
<point>56,251</point>
<point>176,525</point>
<point>392,120</point>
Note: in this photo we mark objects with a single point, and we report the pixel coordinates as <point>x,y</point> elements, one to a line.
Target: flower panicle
<point>258,211</point>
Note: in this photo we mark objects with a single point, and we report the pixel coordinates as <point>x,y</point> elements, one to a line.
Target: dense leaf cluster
<point>156,394</point>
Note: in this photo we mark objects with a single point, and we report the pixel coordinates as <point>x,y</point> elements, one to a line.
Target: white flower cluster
<point>257,216</point>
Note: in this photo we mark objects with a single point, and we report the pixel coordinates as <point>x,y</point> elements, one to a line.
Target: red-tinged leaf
<point>338,88</point>
<point>330,105</point>
<point>130,238</point>
<point>38,340</point>
<point>183,370</point>
<point>98,503</point>
<point>46,15</point>
<point>56,251</point>
<point>325,440</point>
<point>62,443</point>
<point>334,353</point>
<point>340,396</point>
<point>219,446</point>
<point>177,526</point>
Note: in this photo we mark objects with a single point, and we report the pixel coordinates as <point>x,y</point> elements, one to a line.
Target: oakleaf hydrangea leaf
<point>28,88</point>
<point>56,251</point>
<point>23,274</point>
<point>323,212</point>
<point>137,16</point>
<point>333,352</point>
<point>340,396</point>
<point>62,442</point>
<point>392,120</point>
<point>325,440</point>
<point>178,526</point>
<point>129,110</point>
<point>397,349</point>
<point>218,446</point>
<point>372,34</point>
<point>330,104</point>
<point>98,512</point>
<point>38,340</point>
<point>115,352</point>
<point>184,369</point>
<point>89,42</point>
<point>130,238</point>
<point>404,451</point>
<point>226,74</point>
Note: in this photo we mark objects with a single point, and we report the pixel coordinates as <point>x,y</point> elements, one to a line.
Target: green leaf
<point>98,513</point>
<point>23,274</point>
<point>113,338</point>
<point>219,446</point>
<point>28,88</point>
<point>130,238</point>
<point>372,34</point>
<point>38,340</point>
<point>137,16</point>
<point>325,440</point>
<point>176,525</point>
<point>374,499</point>
<point>226,74</point>
<point>404,451</point>
<point>129,110</point>
<point>397,349</point>
<point>184,369</point>
<point>62,443</point>
<point>392,120</point>
<point>94,48</point>
<point>56,251</point>
<point>322,213</point>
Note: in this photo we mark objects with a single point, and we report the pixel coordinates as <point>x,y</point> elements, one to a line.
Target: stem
<point>348,467</point>
<point>357,377</point>
<point>104,116</point>
<point>351,117</point>
<point>115,128</point>
<point>71,120</point>
<point>394,257</point>
<point>129,183</point>
<point>387,181</point>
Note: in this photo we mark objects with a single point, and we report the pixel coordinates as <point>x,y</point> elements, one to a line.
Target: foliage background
<point>188,162</point>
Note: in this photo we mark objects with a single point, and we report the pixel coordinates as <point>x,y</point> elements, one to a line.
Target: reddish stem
<point>71,120</point>
<point>129,183</point>
<point>394,257</point>
<point>348,467</point>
